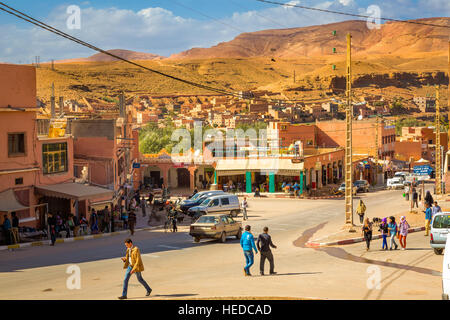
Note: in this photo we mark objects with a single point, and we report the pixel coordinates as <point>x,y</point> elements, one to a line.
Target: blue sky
<point>167,27</point>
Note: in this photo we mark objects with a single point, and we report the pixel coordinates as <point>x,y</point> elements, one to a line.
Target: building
<point>425,104</point>
<point>36,162</point>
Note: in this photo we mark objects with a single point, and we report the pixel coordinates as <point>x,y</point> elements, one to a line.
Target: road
<point>176,267</point>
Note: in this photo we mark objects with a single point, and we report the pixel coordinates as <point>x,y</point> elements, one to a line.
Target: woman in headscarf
<point>361,210</point>
<point>429,198</point>
<point>403,227</point>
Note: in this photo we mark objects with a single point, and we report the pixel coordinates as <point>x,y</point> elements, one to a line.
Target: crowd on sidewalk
<point>392,230</point>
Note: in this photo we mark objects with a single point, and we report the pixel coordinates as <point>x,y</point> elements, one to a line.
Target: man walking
<point>133,264</point>
<point>264,243</point>
<point>132,221</point>
<point>248,245</point>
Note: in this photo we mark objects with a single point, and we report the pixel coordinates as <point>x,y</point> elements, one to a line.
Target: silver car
<point>440,226</point>
<point>224,203</point>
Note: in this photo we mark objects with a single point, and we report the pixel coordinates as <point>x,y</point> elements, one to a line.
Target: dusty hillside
<point>399,56</point>
<point>314,41</point>
<point>126,54</point>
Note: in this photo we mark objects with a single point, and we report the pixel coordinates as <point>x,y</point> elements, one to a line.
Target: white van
<point>446,272</point>
<point>223,203</point>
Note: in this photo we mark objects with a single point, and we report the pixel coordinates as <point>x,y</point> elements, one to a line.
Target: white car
<point>446,272</point>
<point>395,183</point>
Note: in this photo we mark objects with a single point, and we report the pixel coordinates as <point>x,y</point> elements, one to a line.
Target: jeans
<point>269,256</point>
<point>384,242</point>
<point>393,240</point>
<point>127,278</point>
<point>248,260</point>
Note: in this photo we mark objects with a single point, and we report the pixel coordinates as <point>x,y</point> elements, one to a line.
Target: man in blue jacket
<point>248,245</point>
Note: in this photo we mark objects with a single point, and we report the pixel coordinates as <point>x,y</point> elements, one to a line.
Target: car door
<point>214,206</point>
<point>233,226</point>
<point>225,203</point>
<point>226,224</point>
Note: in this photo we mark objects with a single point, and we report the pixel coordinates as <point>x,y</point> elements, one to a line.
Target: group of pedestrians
<point>11,229</point>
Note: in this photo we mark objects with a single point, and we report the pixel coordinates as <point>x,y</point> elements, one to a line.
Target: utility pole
<point>376,151</point>
<point>52,102</point>
<point>438,166</point>
<point>348,136</point>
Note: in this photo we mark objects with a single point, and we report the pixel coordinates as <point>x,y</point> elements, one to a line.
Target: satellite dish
<point>360,117</point>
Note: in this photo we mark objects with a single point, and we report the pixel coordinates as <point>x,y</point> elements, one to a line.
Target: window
<point>224,220</point>
<point>54,158</point>
<point>441,222</point>
<point>16,144</point>
<point>214,203</point>
<point>225,201</point>
<point>19,181</point>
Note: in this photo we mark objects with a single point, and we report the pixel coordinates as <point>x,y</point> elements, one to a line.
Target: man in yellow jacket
<point>133,264</point>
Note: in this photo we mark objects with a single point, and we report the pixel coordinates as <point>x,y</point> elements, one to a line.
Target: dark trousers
<point>361,218</point>
<point>269,256</point>
<point>368,238</point>
<point>415,203</point>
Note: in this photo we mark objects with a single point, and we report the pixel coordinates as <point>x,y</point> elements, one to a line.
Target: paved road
<point>178,268</point>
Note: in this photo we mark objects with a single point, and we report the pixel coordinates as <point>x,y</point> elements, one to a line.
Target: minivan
<point>197,199</point>
<point>440,226</point>
<point>224,203</point>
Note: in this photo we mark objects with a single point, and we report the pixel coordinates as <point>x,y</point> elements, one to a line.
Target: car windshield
<point>359,182</point>
<point>441,222</point>
<point>195,196</point>
<point>208,219</point>
<point>343,185</point>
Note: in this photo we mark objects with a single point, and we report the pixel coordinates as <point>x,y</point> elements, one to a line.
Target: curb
<point>351,241</point>
<point>89,237</point>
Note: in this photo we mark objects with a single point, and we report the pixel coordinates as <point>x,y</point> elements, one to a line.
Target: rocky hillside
<point>391,38</point>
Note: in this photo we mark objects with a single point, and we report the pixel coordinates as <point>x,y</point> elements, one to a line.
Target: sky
<point>171,26</point>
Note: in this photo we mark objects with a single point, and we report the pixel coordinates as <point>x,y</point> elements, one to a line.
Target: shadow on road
<point>176,295</point>
<point>293,274</point>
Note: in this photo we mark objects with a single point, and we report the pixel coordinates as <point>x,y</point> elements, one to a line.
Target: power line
<point>352,14</point>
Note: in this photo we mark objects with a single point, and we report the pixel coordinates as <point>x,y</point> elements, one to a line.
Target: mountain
<point>314,41</point>
<point>126,54</point>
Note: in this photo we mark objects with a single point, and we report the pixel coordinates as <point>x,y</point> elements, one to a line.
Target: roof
<point>9,203</point>
<point>74,191</point>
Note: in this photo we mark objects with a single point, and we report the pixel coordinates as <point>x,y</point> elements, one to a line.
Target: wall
<point>17,86</point>
<point>404,150</point>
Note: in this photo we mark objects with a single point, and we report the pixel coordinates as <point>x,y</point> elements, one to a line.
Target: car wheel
<point>223,237</point>
<point>438,251</point>
<point>196,239</point>
<point>239,234</point>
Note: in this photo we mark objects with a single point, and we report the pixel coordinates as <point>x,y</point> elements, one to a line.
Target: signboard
<point>424,170</point>
<point>136,165</point>
<point>297,160</point>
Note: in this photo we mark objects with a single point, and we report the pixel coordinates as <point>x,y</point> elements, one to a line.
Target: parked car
<point>197,199</point>
<point>341,189</point>
<point>362,186</point>
<point>225,203</point>
<point>215,226</point>
<point>440,226</point>
<point>446,272</point>
<point>395,183</point>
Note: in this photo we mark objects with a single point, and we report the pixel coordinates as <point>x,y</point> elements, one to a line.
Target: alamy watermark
<point>73,21</point>
<point>374,280</point>
<point>73,282</point>
<point>374,20</point>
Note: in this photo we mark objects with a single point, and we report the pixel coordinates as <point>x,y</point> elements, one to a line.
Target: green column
<point>248,182</point>
<point>271,182</point>
<point>301,182</point>
<point>215,177</point>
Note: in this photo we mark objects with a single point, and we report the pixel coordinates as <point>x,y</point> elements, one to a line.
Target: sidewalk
<point>337,235</point>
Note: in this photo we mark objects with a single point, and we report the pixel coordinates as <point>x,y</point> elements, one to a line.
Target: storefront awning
<point>278,166</point>
<point>9,202</point>
<point>74,191</point>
